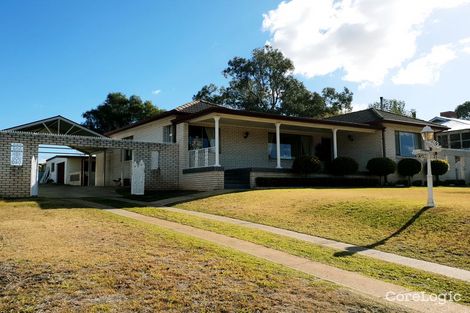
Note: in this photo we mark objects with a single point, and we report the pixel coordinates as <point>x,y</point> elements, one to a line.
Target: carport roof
<point>55,125</point>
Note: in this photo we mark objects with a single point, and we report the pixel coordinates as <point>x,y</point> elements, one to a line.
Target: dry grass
<point>60,260</point>
<point>362,216</point>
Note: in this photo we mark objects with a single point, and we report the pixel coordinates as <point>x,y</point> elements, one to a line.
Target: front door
<point>60,173</point>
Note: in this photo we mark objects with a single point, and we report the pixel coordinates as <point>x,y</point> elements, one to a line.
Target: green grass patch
<point>389,219</point>
<point>397,274</point>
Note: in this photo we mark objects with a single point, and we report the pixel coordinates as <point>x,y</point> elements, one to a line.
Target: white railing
<point>202,157</point>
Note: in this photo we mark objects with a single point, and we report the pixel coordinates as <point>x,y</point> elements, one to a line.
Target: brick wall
<point>203,181</point>
<point>15,181</point>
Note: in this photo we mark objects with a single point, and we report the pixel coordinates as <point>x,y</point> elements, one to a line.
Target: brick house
<point>203,146</point>
<point>224,148</point>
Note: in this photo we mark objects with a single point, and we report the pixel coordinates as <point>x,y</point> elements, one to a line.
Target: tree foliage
<point>393,106</point>
<point>463,110</point>
<point>118,111</point>
<point>265,83</point>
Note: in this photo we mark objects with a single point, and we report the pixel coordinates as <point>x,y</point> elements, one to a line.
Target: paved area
<point>431,267</point>
<point>353,281</point>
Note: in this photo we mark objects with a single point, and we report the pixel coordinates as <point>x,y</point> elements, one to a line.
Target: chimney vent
<point>449,114</point>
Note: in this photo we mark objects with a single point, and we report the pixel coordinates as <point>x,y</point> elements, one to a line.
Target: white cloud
<point>364,38</point>
<point>426,69</point>
<point>156,91</point>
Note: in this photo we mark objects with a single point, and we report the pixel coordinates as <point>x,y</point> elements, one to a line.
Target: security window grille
<point>16,156</point>
<point>128,153</point>
<point>443,141</point>
<point>168,133</point>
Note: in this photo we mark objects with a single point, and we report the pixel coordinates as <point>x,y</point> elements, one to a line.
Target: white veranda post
<point>278,145</point>
<point>217,143</point>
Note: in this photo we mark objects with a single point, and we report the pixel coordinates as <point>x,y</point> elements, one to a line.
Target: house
<point>69,170</point>
<point>219,147</point>
<point>456,141</point>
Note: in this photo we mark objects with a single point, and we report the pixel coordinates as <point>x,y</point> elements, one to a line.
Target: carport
<point>153,165</point>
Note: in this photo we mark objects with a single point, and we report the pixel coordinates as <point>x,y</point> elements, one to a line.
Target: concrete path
<point>353,281</point>
<point>431,267</point>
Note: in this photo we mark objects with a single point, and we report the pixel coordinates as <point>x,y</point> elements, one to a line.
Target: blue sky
<point>63,57</point>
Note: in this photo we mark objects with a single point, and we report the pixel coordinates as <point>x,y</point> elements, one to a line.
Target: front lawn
<point>389,219</point>
<point>57,257</point>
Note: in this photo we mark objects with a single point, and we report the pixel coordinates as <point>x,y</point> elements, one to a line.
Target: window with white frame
<point>168,133</point>
<point>466,140</point>
<point>16,154</point>
<point>455,141</point>
<point>406,142</point>
<point>443,140</point>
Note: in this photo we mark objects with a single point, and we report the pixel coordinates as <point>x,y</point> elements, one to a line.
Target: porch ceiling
<point>256,122</point>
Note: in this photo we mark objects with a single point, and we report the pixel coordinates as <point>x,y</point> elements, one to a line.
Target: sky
<point>63,57</point>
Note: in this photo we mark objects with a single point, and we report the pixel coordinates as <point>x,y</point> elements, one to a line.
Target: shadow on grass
<point>353,250</point>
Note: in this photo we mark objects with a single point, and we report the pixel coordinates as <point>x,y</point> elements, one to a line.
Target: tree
<point>463,110</point>
<point>265,83</point>
<point>393,106</point>
<point>118,111</point>
<point>438,168</point>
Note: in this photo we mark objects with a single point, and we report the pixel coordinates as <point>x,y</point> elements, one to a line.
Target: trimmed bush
<point>439,167</point>
<point>381,166</point>
<point>316,182</point>
<point>306,165</point>
<point>408,168</point>
<point>343,166</point>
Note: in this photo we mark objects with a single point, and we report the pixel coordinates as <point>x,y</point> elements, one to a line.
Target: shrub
<point>408,168</point>
<point>343,166</point>
<point>381,166</point>
<point>439,167</point>
<point>316,182</point>
<point>306,165</point>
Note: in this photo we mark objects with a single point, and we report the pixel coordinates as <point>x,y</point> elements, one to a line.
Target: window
<point>443,140</point>
<point>128,153</point>
<point>16,154</point>
<point>466,140</point>
<point>201,137</point>
<point>168,133</point>
<point>155,158</point>
<point>455,142</point>
<point>407,142</point>
<point>292,146</point>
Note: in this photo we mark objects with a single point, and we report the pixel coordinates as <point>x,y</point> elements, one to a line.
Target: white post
<point>278,145</point>
<point>430,182</point>
<point>335,144</point>
<point>217,144</point>
<point>196,158</point>
<point>206,157</point>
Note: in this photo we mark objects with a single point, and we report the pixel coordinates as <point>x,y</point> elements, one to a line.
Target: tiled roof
<point>195,106</point>
<point>371,116</point>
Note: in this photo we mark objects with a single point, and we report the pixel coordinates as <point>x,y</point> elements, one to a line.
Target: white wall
<point>150,132</point>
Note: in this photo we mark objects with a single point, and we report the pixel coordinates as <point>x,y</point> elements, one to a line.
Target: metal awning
<point>56,125</point>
